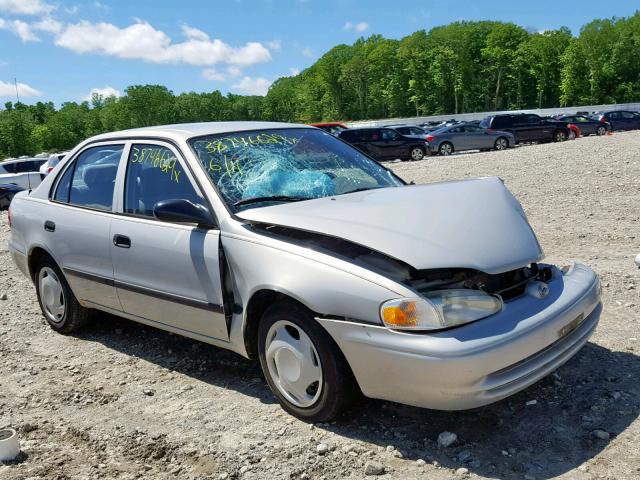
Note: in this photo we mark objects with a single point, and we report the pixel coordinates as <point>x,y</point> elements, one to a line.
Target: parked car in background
<point>465,136</point>
<point>385,143</point>
<point>333,128</point>
<point>332,271</point>
<point>619,119</point>
<point>587,125</point>
<point>51,163</point>
<point>23,172</point>
<point>7,192</point>
<point>409,130</point>
<point>527,127</point>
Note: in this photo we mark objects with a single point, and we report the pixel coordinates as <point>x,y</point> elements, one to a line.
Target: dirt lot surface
<point>121,400</point>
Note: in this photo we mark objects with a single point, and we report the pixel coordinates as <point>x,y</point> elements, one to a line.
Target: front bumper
<point>478,363</point>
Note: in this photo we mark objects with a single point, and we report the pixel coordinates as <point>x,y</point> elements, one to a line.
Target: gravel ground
<point>121,400</point>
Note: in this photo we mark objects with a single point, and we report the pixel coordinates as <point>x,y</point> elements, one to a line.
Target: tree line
<point>456,68</point>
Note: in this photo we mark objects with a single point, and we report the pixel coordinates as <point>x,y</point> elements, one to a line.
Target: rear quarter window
<point>502,122</point>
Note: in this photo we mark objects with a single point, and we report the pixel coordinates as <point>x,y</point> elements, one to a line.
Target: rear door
<point>166,273</point>
<point>77,223</point>
<point>477,137</point>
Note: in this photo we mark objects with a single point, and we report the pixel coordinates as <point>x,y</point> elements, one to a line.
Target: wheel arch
<point>36,254</point>
<point>260,300</point>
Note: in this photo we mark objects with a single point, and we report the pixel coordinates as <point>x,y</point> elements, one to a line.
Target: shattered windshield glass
<point>263,167</point>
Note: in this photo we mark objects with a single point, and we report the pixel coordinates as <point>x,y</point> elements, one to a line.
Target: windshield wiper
<point>272,198</point>
<point>361,189</point>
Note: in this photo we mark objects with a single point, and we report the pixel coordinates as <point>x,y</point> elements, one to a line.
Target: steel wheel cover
<point>51,295</point>
<point>293,363</point>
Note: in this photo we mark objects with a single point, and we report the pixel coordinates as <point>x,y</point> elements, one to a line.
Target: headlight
<point>440,309</point>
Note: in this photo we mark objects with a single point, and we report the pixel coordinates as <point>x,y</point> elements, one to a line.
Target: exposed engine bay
<point>508,285</point>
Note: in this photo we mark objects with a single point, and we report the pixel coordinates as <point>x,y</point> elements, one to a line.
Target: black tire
<point>75,315</point>
<point>601,130</point>
<point>501,143</point>
<point>445,148</point>
<point>559,136</point>
<point>339,387</point>
<point>414,156</point>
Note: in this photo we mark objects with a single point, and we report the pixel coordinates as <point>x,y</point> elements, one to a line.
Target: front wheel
<point>572,135</point>
<point>59,306</point>
<point>445,149</point>
<point>417,153</point>
<point>304,368</point>
<point>559,136</point>
<point>501,144</point>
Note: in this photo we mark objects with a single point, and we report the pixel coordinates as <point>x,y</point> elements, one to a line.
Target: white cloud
<point>234,71</point>
<point>27,31</point>
<point>19,28</point>
<point>142,41</point>
<point>307,52</point>
<point>294,71</point>
<point>8,89</point>
<point>26,7</point>
<point>358,27</point>
<point>213,74</point>
<point>102,92</point>
<point>252,86</point>
<point>275,45</point>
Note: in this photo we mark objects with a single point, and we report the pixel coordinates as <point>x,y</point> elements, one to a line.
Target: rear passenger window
<point>501,122</point>
<point>154,174</point>
<point>90,181</point>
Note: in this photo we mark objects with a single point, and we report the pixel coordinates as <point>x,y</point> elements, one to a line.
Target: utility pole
<point>15,83</point>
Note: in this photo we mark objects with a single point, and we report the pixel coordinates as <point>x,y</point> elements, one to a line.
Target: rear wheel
<point>559,136</point>
<point>417,153</point>
<point>501,143</point>
<point>601,131</point>
<point>304,368</point>
<point>59,306</point>
<point>445,149</point>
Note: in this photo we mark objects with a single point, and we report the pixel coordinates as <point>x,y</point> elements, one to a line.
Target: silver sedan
<point>462,137</point>
<point>284,244</point>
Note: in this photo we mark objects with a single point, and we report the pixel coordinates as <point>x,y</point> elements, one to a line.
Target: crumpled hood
<point>474,224</point>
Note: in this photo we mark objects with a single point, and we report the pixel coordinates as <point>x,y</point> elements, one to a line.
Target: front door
<point>392,144</point>
<point>165,272</point>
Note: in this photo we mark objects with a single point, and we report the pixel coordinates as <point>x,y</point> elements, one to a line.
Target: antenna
<point>15,83</point>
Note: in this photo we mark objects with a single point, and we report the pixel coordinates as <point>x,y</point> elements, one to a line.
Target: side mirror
<point>183,211</point>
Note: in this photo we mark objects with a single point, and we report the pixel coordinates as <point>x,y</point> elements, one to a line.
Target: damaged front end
<point>445,297</point>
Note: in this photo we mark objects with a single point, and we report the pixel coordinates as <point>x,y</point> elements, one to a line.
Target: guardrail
<point>467,117</point>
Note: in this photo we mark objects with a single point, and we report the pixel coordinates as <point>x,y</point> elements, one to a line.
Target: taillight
<point>489,130</point>
<point>49,170</point>
<point>9,216</point>
<point>603,120</point>
<point>430,138</point>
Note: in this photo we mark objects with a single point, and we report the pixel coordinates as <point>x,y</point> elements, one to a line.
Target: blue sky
<point>61,50</point>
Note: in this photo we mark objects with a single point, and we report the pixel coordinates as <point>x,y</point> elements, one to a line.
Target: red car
<point>334,128</point>
<point>574,131</point>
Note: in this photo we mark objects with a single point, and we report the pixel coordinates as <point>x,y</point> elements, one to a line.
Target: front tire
<point>572,135</point>
<point>501,143</point>
<point>303,366</point>
<point>445,149</point>
<point>58,304</point>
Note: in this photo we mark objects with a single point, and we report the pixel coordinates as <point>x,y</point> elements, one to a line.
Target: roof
<point>184,131</point>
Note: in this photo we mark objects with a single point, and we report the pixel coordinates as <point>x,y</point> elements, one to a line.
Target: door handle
<point>121,241</point>
<point>49,226</point>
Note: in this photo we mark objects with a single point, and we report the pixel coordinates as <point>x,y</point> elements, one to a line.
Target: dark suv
<point>385,143</point>
<point>527,127</point>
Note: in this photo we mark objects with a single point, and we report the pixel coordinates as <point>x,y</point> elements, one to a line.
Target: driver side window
<point>154,174</point>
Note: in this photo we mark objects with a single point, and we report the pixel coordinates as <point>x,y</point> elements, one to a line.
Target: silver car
<point>282,243</point>
<point>460,137</point>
